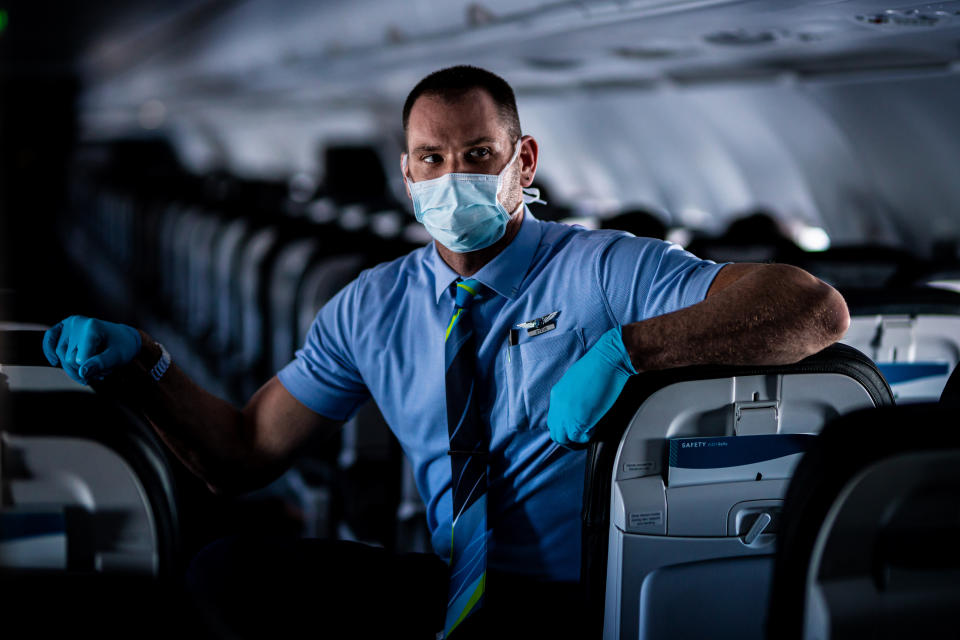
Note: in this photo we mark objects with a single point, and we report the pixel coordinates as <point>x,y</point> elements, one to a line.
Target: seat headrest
<point>951,392</point>
<point>846,447</point>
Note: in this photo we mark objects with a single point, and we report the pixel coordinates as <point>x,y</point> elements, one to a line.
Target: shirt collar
<point>504,273</point>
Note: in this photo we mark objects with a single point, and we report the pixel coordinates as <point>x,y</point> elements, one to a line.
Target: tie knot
<point>467,292</point>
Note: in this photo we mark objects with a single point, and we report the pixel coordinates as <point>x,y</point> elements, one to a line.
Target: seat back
<point>857,266</point>
<point>913,335</point>
<point>253,330</point>
<point>200,297</point>
<point>87,486</point>
<point>684,485</point>
<point>285,281</point>
<point>867,547</point>
<point>226,257</point>
<point>321,282</point>
<point>951,390</point>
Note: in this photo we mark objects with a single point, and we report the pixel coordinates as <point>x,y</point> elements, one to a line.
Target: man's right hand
<point>89,349</point>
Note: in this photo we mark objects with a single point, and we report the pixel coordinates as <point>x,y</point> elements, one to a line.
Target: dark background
<point>38,90</point>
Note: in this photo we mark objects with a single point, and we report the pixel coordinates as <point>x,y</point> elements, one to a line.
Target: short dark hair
<point>453,82</point>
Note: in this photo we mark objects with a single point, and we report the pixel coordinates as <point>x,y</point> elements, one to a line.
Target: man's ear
<point>403,174</point>
<point>529,153</point>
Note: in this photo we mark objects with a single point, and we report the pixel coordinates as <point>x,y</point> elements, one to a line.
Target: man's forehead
<point>471,118</point>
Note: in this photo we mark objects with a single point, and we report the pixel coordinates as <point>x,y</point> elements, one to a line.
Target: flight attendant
<point>489,351</point>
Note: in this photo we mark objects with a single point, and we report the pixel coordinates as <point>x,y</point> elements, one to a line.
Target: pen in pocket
<point>512,336</point>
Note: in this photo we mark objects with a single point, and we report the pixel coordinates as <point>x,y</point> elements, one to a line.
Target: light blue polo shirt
<point>382,336</point>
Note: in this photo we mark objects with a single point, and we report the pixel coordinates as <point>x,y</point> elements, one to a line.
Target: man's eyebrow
<point>469,143</point>
<point>481,139</point>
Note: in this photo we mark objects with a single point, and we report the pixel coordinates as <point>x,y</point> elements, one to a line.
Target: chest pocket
<point>532,368</point>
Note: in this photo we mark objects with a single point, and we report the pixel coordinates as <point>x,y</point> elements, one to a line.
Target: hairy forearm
<point>774,315</point>
<point>209,435</point>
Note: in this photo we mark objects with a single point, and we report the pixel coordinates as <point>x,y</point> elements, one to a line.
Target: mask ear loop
<point>503,172</point>
<point>407,182</point>
<point>403,169</point>
<point>531,195</point>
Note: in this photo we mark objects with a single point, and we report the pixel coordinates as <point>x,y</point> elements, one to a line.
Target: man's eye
<point>433,158</point>
<point>479,152</point>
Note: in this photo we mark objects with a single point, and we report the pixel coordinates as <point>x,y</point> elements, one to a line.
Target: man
<point>488,351</point>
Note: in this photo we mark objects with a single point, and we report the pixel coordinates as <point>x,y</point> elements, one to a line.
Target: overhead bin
<point>685,483</point>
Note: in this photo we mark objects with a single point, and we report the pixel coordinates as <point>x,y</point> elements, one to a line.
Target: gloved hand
<point>89,349</point>
<point>588,389</point>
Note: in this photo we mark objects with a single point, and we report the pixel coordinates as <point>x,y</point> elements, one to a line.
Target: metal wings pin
<point>540,325</point>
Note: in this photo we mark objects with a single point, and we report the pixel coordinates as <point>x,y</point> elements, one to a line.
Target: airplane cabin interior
<point>214,172</point>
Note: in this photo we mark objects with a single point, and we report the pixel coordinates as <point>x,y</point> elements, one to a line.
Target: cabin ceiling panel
<point>295,45</point>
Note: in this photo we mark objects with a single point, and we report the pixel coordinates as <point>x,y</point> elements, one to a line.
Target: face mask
<point>461,210</point>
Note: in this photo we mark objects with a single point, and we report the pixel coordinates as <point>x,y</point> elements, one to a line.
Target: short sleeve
<point>323,374</point>
<point>644,277</point>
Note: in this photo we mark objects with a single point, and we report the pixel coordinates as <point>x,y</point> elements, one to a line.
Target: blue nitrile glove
<point>89,349</point>
<point>588,389</point>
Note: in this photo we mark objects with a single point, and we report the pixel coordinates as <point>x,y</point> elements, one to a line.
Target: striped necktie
<point>468,462</point>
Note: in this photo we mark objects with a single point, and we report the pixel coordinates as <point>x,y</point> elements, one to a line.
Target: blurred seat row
<point>229,275</point>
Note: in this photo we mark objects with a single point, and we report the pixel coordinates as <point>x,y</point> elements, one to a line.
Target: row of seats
<point>232,295</point>
<point>758,237</point>
<point>231,289</point>
<point>713,508</point>
<point>912,334</point>
<point>674,532</point>
<point>707,488</point>
<point>230,274</point>
<point>91,519</point>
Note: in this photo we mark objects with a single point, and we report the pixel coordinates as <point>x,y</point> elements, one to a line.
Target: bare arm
<point>232,450</point>
<point>753,314</point>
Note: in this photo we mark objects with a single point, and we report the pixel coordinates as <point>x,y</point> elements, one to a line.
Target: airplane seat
<point>856,266</point>
<point>368,481</point>
<point>252,326</point>
<point>288,273</point>
<point>368,467</point>
<point>88,490</point>
<point>951,390</point>
<point>912,334</point>
<point>168,254</point>
<point>354,175</point>
<point>867,544</point>
<point>269,285</point>
<point>198,312</point>
<point>146,248</point>
<point>115,219</point>
<point>413,534</point>
<point>226,256</point>
<point>684,484</point>
<point>757,237</point>
<point>940,274</point>
<point>187,228</point>
<point>321,282</point>
<point>639,222</point>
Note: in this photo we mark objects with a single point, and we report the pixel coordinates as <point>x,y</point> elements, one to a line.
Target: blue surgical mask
<point>462,211</point>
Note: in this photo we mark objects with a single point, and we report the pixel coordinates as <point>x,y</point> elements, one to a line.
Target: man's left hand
<point>588,389</point>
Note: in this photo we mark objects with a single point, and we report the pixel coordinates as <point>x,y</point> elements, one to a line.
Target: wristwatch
<point>162,364</point>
